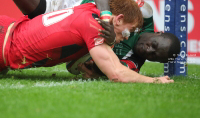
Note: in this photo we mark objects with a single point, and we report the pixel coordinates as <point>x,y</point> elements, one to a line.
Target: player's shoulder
<point>134,36</point>
<point>87,13</point>
<point>86,6</point>
<point>87,9</point>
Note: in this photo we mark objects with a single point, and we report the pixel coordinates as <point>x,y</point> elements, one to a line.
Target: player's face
<point>153,48</point>
<point>122,29</point>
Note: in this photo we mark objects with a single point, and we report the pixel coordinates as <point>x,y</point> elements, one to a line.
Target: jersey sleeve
<point>89,31</point>
<point>148,25</point>
<point>134,63</point>
<point>131,65</point>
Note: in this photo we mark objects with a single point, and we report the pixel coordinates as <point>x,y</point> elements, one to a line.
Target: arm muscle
<point>110,65</point>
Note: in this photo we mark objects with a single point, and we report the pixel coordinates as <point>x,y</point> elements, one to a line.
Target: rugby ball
<point>72,66</point>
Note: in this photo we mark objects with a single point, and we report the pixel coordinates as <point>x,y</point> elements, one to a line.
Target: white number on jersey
<point>57,16</point>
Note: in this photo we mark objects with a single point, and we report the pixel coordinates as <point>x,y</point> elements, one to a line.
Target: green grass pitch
<point>52,93</point>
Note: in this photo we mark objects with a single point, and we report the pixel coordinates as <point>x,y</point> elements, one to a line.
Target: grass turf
<point>51,92</point>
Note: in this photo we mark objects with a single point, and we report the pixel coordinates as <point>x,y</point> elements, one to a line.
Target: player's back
<point>50,38</point>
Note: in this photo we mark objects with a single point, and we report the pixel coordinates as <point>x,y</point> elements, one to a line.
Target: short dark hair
<point>174,48</point>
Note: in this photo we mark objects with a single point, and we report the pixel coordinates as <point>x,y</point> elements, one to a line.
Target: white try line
<point>41,84</point>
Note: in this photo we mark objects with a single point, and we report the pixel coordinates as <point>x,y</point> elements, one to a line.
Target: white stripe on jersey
<point>128,54</point>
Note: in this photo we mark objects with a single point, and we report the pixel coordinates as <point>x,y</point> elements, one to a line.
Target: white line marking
<point>41,84</point>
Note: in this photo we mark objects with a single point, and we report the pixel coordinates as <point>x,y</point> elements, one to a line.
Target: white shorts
<point>53,5</point>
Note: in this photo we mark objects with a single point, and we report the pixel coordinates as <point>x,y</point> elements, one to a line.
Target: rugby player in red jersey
<point>33,8</point>
<point>67,35</point>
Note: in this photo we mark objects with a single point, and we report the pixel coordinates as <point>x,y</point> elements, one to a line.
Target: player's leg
<point>4,24</point>
<point>31,8</point>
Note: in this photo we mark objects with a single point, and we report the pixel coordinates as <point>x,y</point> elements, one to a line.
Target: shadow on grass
<point>39,76</point>
<point>43,76</point>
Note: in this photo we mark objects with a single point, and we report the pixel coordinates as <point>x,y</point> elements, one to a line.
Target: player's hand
<point>108,32</point>
<point>87,70</point>
<point>164,79</point>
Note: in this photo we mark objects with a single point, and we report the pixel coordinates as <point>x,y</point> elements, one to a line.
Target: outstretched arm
<point>110,65</point>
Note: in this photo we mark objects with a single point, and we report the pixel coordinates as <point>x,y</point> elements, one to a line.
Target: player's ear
<point>119,19</point>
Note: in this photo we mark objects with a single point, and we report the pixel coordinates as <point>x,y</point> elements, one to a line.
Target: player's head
<point>158,46</point>
<point>126,17</point>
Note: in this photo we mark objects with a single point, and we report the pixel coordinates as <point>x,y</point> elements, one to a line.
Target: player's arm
<point>32,8</point>
<point>102,5</point>
<point>108,32</point>
<point>90,70</point>
<point>110,65</point>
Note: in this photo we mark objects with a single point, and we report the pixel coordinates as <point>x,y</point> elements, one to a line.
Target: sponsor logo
<point>98,41</point>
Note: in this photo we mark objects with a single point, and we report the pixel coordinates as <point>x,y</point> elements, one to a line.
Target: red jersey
<point>53,38</point>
